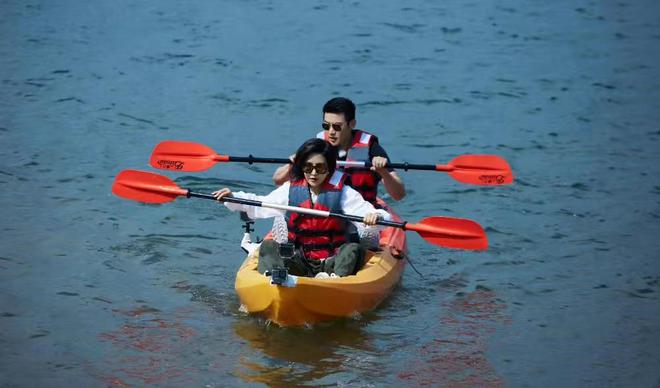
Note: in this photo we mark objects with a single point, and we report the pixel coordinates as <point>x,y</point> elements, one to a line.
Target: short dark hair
<point>308,148</point>
<point>341,105</point>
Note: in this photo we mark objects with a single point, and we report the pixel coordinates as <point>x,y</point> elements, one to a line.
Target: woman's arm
<point>279,196</point>
<point>352,203</point>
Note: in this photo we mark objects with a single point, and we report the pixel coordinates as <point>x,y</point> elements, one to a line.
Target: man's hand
<point>378,164</point>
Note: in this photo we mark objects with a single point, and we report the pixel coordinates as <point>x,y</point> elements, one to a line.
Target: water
<point>99,291</point>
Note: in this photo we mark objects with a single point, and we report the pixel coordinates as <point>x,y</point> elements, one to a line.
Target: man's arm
<point>391,180</point>
<point>281,175</point>
<point>393,184</point>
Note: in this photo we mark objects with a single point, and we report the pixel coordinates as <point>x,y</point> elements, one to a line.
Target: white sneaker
<point>334,275</point>
<point>322,275</point>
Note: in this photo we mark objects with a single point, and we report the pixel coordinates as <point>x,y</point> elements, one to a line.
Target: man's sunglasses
<point>320,168</point>
<point>336,126</point>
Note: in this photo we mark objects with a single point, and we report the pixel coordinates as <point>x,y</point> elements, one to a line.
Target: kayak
<point>303,300</point>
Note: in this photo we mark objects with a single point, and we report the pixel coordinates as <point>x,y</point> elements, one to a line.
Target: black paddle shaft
<point>253,159</point>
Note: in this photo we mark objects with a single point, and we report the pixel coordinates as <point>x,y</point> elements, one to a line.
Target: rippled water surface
<point>99,291</point>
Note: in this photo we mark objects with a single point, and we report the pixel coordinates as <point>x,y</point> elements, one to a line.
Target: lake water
<point>100,291</point>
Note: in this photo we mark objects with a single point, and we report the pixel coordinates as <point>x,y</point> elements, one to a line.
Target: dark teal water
<point>99,291</point>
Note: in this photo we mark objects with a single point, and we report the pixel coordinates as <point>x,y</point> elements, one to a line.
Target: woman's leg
<point>297,265</point>
<point>347,261</point>
<point>269,256</point>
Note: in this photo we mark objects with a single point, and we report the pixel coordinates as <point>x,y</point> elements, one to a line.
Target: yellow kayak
<point>304,300</point>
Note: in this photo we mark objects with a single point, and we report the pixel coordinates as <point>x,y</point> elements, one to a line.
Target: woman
<point>322,249</point>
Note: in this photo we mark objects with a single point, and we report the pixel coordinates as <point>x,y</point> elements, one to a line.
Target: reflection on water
<point>153,344</point>
<point>299,356</point>
<point>456,356</point>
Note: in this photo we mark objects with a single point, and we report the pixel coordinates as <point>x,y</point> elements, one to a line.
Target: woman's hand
<point>222,193</point>
<point>371,219</point>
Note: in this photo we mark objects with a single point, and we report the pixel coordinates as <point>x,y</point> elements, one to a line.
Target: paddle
<point>448,232</point>
<point>484,170</point>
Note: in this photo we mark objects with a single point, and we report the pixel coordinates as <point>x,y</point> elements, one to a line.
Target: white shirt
<point>351,202</point>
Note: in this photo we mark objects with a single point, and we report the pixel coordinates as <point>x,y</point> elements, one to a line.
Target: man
<point>339,130</point>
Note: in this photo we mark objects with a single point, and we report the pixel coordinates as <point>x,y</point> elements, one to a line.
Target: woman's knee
<point>269,256</point>
<point>348,259</point>
<point>268,247</point>
<point>351,249</point>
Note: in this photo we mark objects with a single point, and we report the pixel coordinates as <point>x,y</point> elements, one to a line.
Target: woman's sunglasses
<point>320,168</point>
<point>336,126</point>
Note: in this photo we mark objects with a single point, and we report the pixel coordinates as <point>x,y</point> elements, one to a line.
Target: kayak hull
<point>306,300</point>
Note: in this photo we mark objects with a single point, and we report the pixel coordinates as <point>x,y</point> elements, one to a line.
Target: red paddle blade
<point>183,156</point>
<point>485,170</point>
<point>451,232</point>
<point>146,187</point>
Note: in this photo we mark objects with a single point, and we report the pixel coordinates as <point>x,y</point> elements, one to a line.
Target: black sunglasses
<point>336,126</point>
<point>320,168</point>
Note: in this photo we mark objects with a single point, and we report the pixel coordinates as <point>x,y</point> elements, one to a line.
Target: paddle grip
<point>252,159</point>
<point>198,195</point>
<point>360,219</point>
<point>408,166</point>
<point>405,166</point>
<point>225,199</point>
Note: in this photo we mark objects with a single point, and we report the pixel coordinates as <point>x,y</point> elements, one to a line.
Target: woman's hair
<point>308,148</point>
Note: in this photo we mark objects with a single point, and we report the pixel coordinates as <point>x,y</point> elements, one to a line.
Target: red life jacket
<point>319,237</point>
<point>363,180</point>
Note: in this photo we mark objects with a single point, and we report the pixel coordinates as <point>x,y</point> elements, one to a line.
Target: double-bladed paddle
<point>484,170</point>
<point>448,232</point>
